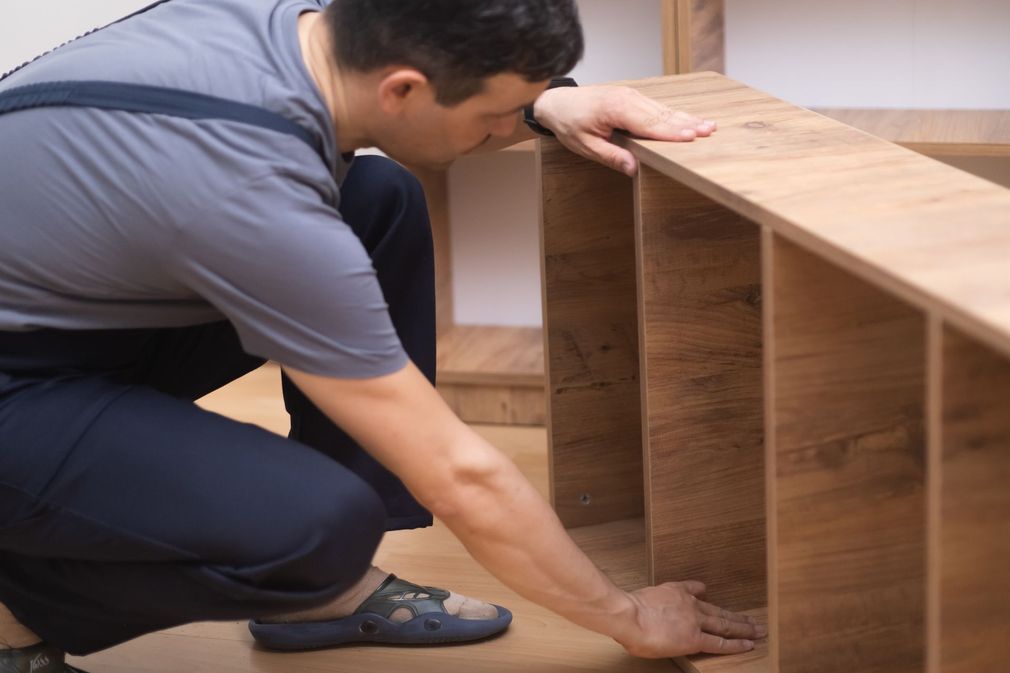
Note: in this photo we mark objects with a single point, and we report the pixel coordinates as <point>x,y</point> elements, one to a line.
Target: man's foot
<point>383,608</point>
<point>38,658</point>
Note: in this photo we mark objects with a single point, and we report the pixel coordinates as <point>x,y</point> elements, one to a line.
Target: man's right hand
<point>671,621</point>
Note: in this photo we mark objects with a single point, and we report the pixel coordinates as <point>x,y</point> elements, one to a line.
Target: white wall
<point>29,28</point>
<point>873,53</point>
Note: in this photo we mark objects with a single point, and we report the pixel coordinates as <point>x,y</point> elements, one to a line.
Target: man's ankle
<point>13,635</point>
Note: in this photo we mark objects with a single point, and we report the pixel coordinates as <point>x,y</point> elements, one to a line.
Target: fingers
<point>720,622</point>
<point>607,153</point>
<point>718,645</point>
<point>694,587</point>
<point>728,628</point>
<point>647,118</point>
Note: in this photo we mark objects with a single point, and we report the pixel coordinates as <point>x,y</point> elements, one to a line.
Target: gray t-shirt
<point>113,219</point>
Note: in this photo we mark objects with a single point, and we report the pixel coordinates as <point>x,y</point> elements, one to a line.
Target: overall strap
<point>153,100</point>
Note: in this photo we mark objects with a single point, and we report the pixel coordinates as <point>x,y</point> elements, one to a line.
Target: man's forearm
<point>509,528</point>
<point>475,489</point>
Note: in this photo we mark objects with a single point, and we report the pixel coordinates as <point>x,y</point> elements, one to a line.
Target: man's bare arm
<point>505,523</point>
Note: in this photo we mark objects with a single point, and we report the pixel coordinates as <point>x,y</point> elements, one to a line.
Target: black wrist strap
<point>531,121</point>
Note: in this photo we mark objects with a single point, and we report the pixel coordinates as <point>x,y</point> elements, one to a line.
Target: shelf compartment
<point>591,324</point>
<point>702,392</point>
<point>846,414</point>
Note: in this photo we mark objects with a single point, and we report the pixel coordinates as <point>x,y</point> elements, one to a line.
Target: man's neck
<point>314,38</point>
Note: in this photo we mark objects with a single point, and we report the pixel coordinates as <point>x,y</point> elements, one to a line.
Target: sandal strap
<point>40,658</point>
<point>395,593</point>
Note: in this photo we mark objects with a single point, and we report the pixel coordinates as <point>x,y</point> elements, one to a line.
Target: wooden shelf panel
<point>846,400</point>
<point>701,331</point>
<point>935,237</point>
<point>491,355</point>
<point>591,320</point>
<point>618,549</point>
<point>970,508</point>
<point>934,132</point>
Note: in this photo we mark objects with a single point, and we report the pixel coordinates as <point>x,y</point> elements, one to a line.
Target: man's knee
<point>325,539</point>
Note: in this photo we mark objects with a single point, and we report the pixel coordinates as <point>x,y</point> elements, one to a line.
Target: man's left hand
<point>584,118</point>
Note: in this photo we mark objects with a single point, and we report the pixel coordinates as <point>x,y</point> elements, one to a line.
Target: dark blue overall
<point>224,520</point>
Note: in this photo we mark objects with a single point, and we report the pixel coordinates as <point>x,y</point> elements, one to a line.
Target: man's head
<point>450,73</point>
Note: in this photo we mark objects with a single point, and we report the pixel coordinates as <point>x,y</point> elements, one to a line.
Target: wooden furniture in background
<point>694,40</point>
<point>783,359</point>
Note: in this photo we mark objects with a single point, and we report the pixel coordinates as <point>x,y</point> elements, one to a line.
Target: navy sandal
<point>371,622</point>
<point>41,658</point>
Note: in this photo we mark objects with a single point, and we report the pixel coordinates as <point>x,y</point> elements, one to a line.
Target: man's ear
<point>398,87</point>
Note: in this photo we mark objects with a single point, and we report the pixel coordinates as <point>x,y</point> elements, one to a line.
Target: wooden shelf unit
<point>493,374</point>
<point>788,354</point>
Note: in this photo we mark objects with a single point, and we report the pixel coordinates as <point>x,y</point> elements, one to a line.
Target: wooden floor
<point>538,641</point>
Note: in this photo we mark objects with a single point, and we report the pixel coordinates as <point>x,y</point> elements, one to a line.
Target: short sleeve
<point>292,277</point>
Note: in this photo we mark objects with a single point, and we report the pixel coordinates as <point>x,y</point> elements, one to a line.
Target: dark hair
<point>457,44</point>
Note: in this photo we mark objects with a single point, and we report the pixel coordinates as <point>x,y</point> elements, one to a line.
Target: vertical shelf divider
<point>700,354</point>
<point>849,396</point>
<point>591,339</point>
<point>972,517</point>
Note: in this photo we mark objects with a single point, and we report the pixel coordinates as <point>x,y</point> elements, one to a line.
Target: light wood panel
<point>973,492</point>
<point>848,380</point>
<point>436,191</point>
<point>700,353</point>
<point>935,132</point>
<point>933,236</point>
<point>591,335</point>
<point>693,36</point>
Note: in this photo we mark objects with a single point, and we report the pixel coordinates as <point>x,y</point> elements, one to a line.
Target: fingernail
<point>687,133</point>
<point>749,644</point>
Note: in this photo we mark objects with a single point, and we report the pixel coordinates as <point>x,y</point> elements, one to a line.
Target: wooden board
<point>934,132</point>
<point>591,332</point>
<point>973,530</point>
<point>693,36</point>
<point>847,447</point>
<point>481,355</point>
<point>436,191</point>
<point>936,237</point>
<point>700,355</point>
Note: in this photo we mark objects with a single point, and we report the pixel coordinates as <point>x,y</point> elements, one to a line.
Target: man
<point>149,257</point>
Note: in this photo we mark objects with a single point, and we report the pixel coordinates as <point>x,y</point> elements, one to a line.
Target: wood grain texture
<point>496,403</point>
<point>481,355</point>
<point>693,36</point>
<point>934,132</point>
<point>934,236</point>
<point>700,353</point>
<point>436,191</point>
<point>591,332</point>
<point>849,390</point>
<point>974,507</point>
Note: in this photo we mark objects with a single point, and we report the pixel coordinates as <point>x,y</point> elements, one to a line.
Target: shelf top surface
<point>932,234</point>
